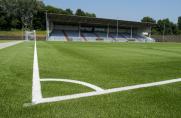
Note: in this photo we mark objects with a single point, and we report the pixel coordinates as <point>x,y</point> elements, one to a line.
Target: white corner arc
<point>96,88</point>
<point>107,91</point>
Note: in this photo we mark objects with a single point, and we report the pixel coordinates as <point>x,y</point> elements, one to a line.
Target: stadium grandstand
<point>78,28</point>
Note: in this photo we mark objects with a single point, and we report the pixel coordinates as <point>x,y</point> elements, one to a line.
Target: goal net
<point>30,35</point>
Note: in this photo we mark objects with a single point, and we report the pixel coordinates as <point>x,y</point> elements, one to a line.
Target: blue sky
<point>132,10</point>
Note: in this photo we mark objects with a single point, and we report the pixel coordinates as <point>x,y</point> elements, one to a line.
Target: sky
<point>132,10</point>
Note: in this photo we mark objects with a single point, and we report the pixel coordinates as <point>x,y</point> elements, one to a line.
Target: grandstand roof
<point>60,18</point>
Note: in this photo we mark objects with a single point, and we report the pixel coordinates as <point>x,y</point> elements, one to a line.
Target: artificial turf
<point>110,65</point>
<point>107,65</point>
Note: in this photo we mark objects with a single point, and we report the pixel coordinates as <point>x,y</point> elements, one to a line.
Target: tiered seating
<point>90,36</point>
<point>119,38</point>
<point>114,36</point>
<point>73,36</point>
<point>104,36</point>
<point>126,35</point>
<point>57,35</point>
<point>139,38</point>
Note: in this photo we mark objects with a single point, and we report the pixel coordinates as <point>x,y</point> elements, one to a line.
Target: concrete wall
<point>168,38</point>
<point>19,38</point>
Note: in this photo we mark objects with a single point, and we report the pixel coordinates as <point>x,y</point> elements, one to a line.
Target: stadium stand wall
<point>75,28</point>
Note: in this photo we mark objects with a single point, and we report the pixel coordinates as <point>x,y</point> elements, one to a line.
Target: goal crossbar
<point>30,35</point>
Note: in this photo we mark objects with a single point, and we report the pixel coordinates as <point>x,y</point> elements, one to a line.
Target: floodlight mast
<point>107,31</point>
<point>79,31</point>
<point>163,32</point>
<point>47,25</point>
<point>131,35</point>
<point>150,32</point>
<point>117,29</point>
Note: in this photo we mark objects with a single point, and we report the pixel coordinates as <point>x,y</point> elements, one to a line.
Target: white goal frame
<point>30,35</point>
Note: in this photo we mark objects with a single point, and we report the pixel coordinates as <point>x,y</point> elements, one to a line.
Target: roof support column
<point>107,31</point>
<point>79,31</point>
<point>150,32</point>
<point>163,37</point>
<point>131,34</point>
<point>117,30</point>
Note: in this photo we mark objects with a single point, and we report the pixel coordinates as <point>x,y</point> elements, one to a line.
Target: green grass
<point>107,65</point>
<point>61,89</point>
<point>110,65</point>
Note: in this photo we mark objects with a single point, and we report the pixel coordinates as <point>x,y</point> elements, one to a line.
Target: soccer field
<point>106,65</point>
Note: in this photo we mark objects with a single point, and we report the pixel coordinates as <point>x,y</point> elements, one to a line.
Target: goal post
<point>30,35</point>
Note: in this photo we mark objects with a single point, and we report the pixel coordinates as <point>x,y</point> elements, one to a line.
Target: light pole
<point>163,32</point>
<point>79,31</point>
<point>117,29</point>
<point>47,25</point>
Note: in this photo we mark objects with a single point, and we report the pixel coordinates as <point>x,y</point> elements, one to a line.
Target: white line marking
<point>96,88</point>
<point>108,91</point>
<point>36,86</point>
<point>8,44</point>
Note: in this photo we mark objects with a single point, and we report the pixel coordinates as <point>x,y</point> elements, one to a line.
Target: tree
<point>69,12</point>
<point>22,9</point>
<point>90,14</point>
<point>15,23</point>
<point>79,12</point>
<point>3,23</point>
<point>179,23</point>
<point>29,14</point>
<point>166,26</point>
<point>39,20</point>
<point>52,9</point>
<point>148,20</point>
